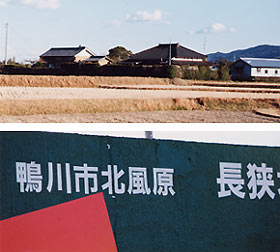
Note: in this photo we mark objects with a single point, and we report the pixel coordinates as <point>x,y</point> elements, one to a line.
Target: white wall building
<point>255,69</point>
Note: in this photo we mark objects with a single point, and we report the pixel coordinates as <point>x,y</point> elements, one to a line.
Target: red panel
<point>81,225</point>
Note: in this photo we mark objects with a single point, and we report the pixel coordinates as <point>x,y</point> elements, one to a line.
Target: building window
<point>266,71</point>
<point>276,71</point>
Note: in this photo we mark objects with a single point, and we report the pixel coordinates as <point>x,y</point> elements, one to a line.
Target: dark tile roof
<point>64,51</point>
<point>161,52</point>
<point>97,58</point>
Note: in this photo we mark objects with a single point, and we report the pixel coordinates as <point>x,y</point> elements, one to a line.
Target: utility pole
<point>169,62</point>
<point>6,45</point>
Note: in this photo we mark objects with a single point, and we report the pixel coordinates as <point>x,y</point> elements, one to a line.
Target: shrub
<point>223,69</point>
<point>187,73</point>
<point>203,73</point>
<point>172,71</point>
<point>224,73</point>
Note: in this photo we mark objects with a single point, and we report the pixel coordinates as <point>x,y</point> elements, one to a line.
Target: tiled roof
<point>161,52</point>
<point>64,51</point>
<point>97,58</point>
<point>259,62</point>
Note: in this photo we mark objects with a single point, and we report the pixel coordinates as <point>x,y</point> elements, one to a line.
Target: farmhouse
<point>255,69</point>
<point>168,54</point>
<point>55,57</point>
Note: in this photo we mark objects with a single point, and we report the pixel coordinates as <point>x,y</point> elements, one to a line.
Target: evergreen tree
<point>119,53</point>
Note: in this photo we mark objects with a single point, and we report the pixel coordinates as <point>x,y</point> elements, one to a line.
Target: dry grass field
<point>169,116</point>
<point>24,98</point>
<point>75,81</point>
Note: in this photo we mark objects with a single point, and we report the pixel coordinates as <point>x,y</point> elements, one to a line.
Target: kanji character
<point>230,175</point>
<point>86,173</point>
<point>59,177</point>
<point>260,177</point>
<point>29,173</point>
<point>117,176</point>
<point>138,181</point>
<point>163,181</point>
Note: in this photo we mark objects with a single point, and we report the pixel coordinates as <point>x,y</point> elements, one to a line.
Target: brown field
<point>75,81</point>
<point>23,97</point>
<point>169,116</point>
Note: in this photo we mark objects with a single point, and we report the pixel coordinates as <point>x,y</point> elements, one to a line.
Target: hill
<point>261,51</point>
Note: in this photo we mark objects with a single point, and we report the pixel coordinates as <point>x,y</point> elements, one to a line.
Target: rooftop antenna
<point>6,45</point>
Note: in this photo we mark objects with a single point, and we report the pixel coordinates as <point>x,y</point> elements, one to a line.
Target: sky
<point>257,138</point>
<point>206,26</point>
<point>237,134</point>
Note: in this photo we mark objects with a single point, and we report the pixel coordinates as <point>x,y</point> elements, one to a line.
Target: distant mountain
<point>261,51</point>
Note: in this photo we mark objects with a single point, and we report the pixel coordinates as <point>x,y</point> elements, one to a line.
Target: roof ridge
<point>66,51</point>
<point>167,44</point>
<point>72,47</point>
